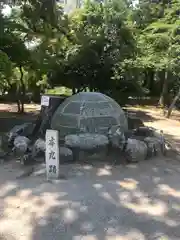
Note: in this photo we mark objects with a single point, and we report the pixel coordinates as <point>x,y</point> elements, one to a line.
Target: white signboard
<point>45,101</point>
<point>52,154</point>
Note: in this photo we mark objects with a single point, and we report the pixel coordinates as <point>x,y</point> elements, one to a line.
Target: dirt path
<point>100,202</point>
<point>136,202</point>
<point>153,117</point>
<point>5,107</point>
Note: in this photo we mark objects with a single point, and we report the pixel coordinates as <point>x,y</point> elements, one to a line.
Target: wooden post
<point>52,154</point>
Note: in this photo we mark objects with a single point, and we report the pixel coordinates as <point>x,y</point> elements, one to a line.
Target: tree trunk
<point>19,106</point>
<point>145,82</point>
<point>164,90</point>
<point>173,104</point>
<point>23,90</point>
<point>73,90</point>
<point>151,81</point>
<point>22,107</point>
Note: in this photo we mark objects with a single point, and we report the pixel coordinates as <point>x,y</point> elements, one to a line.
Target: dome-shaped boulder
<point>88,112</point>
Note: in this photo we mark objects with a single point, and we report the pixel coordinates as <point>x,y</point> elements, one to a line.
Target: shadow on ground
<point>142,115</point>
<point>99,202</point>
<point>170,127</point>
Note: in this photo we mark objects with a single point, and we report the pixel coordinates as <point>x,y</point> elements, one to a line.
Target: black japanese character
<point>52,141</point>
<point>52,155</point>
<point>52,169</point>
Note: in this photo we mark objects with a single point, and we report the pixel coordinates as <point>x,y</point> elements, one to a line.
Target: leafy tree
<point>33,35</point>
<point>157,24</point>
<point>103,41</point>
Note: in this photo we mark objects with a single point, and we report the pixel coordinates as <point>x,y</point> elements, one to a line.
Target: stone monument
<point>88,112</point>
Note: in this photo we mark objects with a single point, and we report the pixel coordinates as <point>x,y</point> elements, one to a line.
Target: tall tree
<point>156,23</point>
<point>103,40</point>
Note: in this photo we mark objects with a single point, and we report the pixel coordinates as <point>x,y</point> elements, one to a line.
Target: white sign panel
<point>45,101</point>
<point>52,154</point>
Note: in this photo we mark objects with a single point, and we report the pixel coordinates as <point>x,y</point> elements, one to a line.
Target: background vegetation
<point>119,48</point>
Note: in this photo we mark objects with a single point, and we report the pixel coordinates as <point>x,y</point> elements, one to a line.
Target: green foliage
<point>115,47</point>
<point>103,40</point>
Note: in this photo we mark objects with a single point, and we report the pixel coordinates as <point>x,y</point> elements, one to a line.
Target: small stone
<point>154,146</point>
<point>66,154</point>
<point>38,148</point>
<point>64,151</point>
<point>21,144</point>
<point>160,136</point>
<point>135,150</point>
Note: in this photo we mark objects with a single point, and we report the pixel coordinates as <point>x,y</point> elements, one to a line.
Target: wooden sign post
<point>52,154</point>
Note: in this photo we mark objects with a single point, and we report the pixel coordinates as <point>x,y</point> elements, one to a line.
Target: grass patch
<point>59,91</point>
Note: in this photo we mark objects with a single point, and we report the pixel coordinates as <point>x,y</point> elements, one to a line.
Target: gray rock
<point>154,146</point>
<point>21,144</point>
<point>116,137</point>
<point>36,152</point>
<point>64,151</point>
<point>135,150</point>
<point>20,130</point>
<point>155,137</point>
<point>89,112</point>
<point>160,136</point>
<point>86,141</point>
<point>66,154</point>
<point>39,147</point>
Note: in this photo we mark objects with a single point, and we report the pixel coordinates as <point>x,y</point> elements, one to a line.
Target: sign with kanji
<point>52,154</point>
<point>45,101</point>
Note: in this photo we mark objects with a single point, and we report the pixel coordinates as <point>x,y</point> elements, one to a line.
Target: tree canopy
<point>115,47</point>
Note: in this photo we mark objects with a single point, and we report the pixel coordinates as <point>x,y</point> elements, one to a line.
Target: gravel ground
<point>134,202</point>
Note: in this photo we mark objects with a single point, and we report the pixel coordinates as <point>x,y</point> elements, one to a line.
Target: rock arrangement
<point>90,122</point>
<point>136,145</point>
